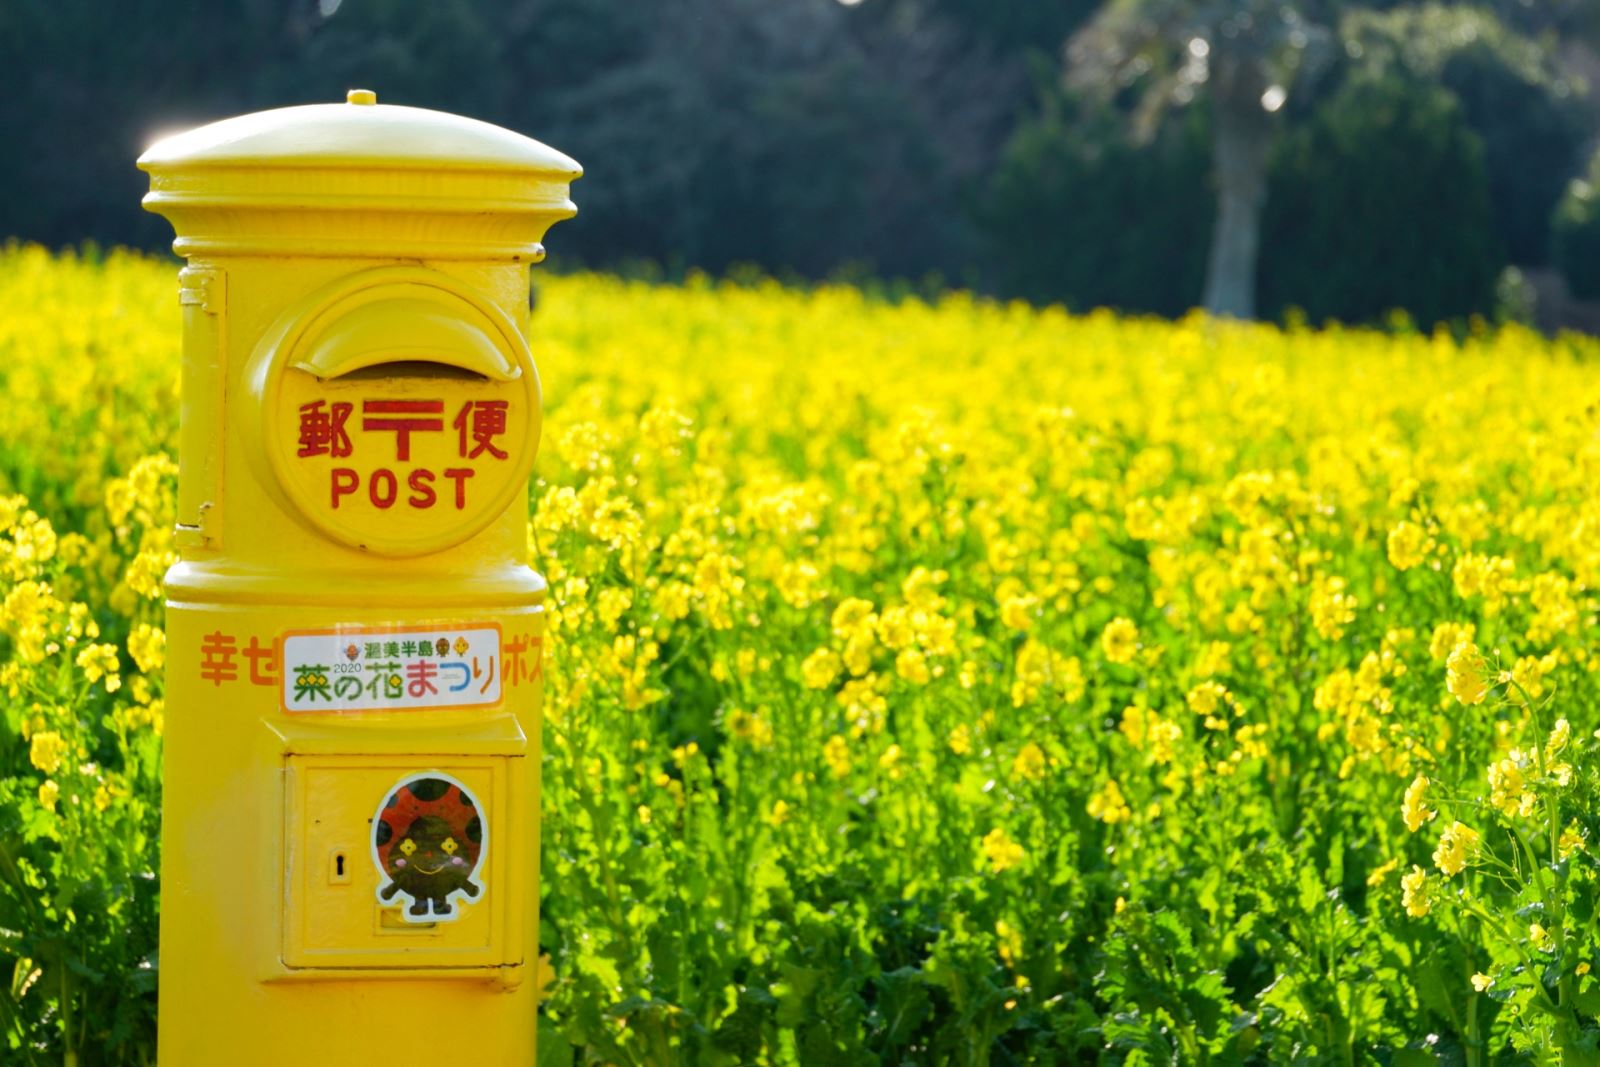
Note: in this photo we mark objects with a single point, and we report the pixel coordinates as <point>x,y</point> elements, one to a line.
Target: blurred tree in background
<point>1241,57</point>
<point>1143,154</point>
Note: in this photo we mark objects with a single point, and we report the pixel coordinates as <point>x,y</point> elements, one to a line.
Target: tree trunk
<point>1242,132</point>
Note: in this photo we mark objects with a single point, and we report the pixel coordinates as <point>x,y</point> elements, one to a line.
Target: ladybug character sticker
<point>429,840</point>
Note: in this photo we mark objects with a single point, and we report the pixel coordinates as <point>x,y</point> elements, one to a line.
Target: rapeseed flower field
<point>947,683</point>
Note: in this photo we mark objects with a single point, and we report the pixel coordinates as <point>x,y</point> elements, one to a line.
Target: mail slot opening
<point>392,326</point>
<point>413,368</point>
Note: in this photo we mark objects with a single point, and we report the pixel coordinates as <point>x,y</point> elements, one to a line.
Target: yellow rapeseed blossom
<point>1560,737</point>
<point>852,616</point>
<point>1210,701</point>
<point>1508,786</point>
<point>1414,893</point>
<point>1332,606</point>
<point>100,661</point>
<point>46,751</point>
<point>1447,636</point>
<point>1489,577</point>
<point>1456,845</point>
<point>1119,641</point>
<point>912,665</point>
<point>836,752</point>
<point>1381,873</point>
<point>1467,674</point>
<point>1414,808</point>
<point>1009,939</point>
<point>820,669</point>
<point>1000,851</point>
<point>1108,804</point>
<point>903,550</point>
<point>1408,545</point>
<point>1030,763</point>
<point>147,645</point>
<point>1017,606</point>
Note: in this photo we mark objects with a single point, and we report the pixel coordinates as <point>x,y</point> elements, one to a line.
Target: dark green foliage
<point>800,136</point>
<point>1081,213</point>
<point>1025,24</point>
<point>1576,235</point>
<point>809,138</point>
<point>1512,95</point>
<point>1381,201</point>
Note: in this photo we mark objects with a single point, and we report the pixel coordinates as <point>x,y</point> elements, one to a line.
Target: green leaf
<point>554,1048</point>
<point>903,1004</point>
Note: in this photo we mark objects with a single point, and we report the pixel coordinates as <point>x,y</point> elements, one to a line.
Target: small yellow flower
<point>1456,845</point>
<point>1508,786</point>
<point>1381,873</point>
<point>1108,804</point>
<point>46,751</point>
<point>1010,942</point>
<point>852,616</point>
<point>100,661</point>
<point>1560,737</point>
<point>147,645</point>
<point>1001,852</point>
<point>49,793</point>
<point>1446,636</point>
<point>1030,763</point>
<point>1017,608</point>
<point>1120,640</point>
<point>912,665</point>
<point>1481,981</point>
<point>1466,674</point>
<point>1414,893</point>
<point>890,760</point>
<point>1539,937</point>
<point>836,752</point>
<point>1414,808</point>
<point>1332,608</point>
<point>1409,545</point>
<point>820,669</point>
<point>780,813</point>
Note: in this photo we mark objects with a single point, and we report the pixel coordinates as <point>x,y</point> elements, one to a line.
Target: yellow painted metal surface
<point>355,639</point>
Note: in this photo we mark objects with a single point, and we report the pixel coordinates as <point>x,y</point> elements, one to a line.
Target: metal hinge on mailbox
<point>195,287</point>
<point>202,295</point>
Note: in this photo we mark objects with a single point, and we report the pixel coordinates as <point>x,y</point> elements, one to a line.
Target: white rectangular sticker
<point>392,669</point>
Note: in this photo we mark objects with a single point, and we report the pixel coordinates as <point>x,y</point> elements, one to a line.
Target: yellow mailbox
<point>350,829</point>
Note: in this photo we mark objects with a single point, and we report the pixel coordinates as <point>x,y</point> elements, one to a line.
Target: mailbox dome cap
<point>357,135</point>
<point>358,179</point>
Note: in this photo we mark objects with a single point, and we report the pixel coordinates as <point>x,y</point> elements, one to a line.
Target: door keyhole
<point>338,869</point>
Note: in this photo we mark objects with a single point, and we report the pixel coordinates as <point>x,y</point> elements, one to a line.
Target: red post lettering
<point>403,417</point>
<point>421,483</point>
<point>345,481</point>
<point>383,498</point>
<point>459,475</point>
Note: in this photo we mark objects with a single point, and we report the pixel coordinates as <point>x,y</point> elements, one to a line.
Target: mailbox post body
<point>350,830</point>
